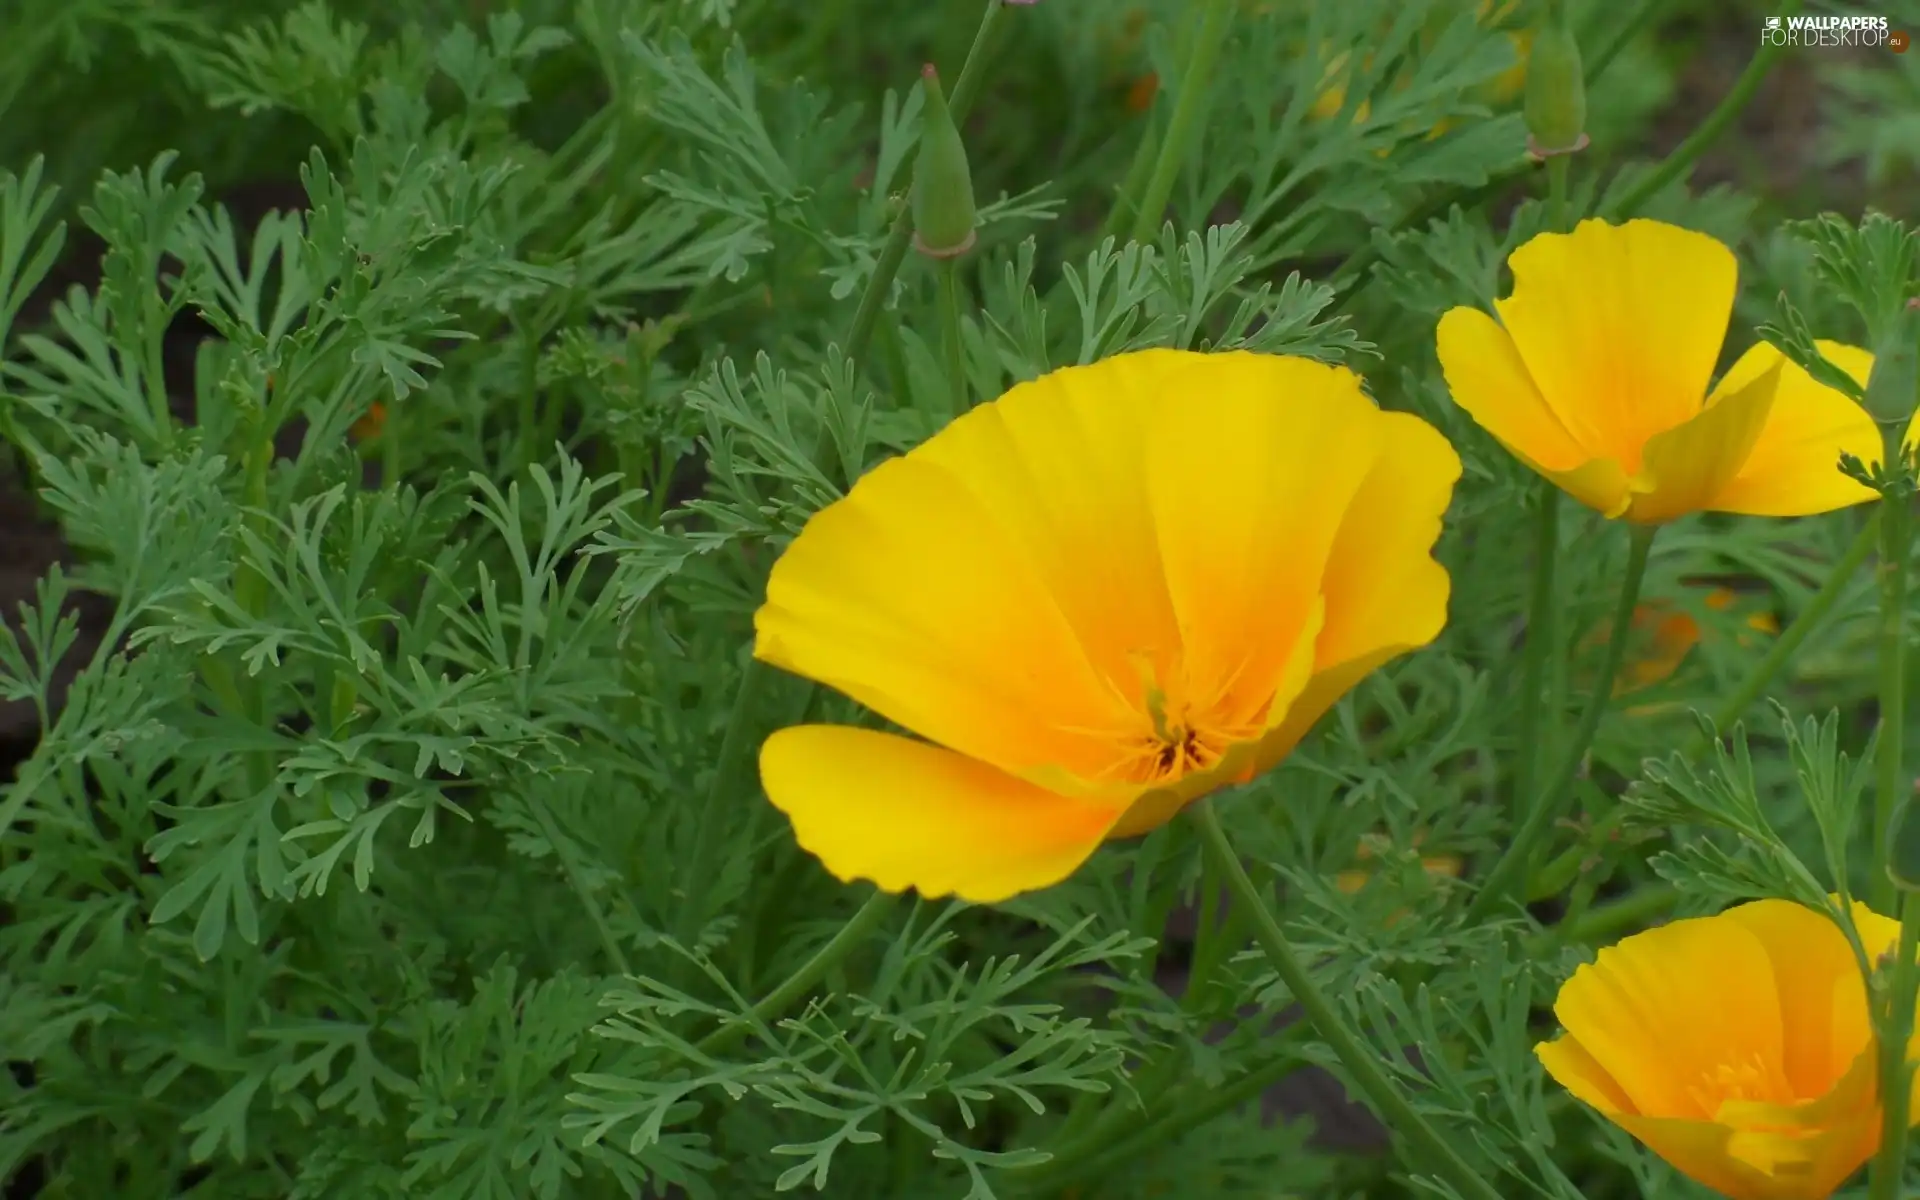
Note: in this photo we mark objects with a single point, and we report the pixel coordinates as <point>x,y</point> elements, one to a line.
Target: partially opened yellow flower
<point>1596,373</point>
<point>1101,596</point>
<point>1737,1047</point>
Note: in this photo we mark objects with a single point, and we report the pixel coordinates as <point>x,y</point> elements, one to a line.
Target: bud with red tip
<point>1556,100</point>
<point>943,211</point>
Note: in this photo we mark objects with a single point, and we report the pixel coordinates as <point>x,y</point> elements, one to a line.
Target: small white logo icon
<point>1773,22</point>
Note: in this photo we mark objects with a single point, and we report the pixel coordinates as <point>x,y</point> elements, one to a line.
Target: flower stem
<point>959,102</point>
<point>550,829</point>
<point>1393,1108</point>
<point>1896,531</point>
<point>1558,873</point>
<point>1216,17</point>
<point>1107,1148</point>
<point>1540,640</point>
<point>1511,866</point>
<point>1708,131</point>
<point>860,926</point>
<point>1889,1165</point>
<point>729,773</point>
<point>1557,192</point>
<point>956,348</point>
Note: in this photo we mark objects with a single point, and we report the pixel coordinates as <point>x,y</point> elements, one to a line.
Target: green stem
<point>1557,192</point>
<point>1216,18</point>
<point>550,829</point>
<point>730,772</point>
<point>1393,1108</point>
<point>1889,1166</point>
<point>1708,131</point>
<point>1513,864</point>
<point>959,102</point>
<point>1144,155</point>
<point>956,348</point>
<point>1896,531</point>
<point>860,926</point>
<point>1101,1156</point>
<point>1540,640</point>
<point>729,780</point>
<point>1558,873</point>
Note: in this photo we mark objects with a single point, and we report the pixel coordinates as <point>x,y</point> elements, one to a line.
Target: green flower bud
<point>943,213</point>
<point>1556,104</point>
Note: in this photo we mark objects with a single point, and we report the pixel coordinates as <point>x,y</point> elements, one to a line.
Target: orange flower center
<point>1179,740</point>
<point>1751,1079</point>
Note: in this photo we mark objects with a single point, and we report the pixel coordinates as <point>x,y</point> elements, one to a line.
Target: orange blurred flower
<point>1671,633</point>
<point>371,424</point>
<point>1351,880</point>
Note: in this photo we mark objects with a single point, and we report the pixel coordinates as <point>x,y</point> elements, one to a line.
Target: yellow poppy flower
<point>1737,1047</point>
<point>1101,596</point>
<point>1595,375</point>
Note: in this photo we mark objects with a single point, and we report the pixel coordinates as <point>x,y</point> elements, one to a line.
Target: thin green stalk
<point>1889,1165</point>
<point>1558,873</point>
<point>1100,1157</point>
<point>1216,18</point>
<point>959,102</point>
<point>1709,130</point>
<point>730,772</point>
<point>860,926</point>
<point>1540,641</point>
<point>729,782</point>
<point>550,829</point>
<point>1892,784</point>
<point>1395,1111</point>
<point>1144,155</point>
<point>956,348</point>
<point>1557,192</point>
<point>1514,863</point>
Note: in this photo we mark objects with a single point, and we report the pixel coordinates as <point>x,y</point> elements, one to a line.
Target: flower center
<point>1747,1079</point>
<point>1177,746</point>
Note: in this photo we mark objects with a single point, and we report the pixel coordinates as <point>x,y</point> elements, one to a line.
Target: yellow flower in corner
<point>1096,599</point>
<point>1737,1047</point>
<point>1595,375</point>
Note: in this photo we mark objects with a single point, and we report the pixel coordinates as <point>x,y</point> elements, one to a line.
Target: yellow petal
<point>1684,469</point>
<point>1057,467</point>
<point>1819,984</point>
<point>1755,1164</point>
<point>904,814</point>
<point>1489,381</point>
<point>1568,1062</point>
<point>1484,372</point>
<point>925,595</point>
<point>1620,327</point>
<point>1251,475</point>
<point>1794,466</point>
<point>1385,594</point>
<point>1666,1012</point>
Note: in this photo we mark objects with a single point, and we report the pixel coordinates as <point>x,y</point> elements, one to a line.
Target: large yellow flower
<point>1596,376</point>
<point>1097,598</point>
<point>1737,1047</point>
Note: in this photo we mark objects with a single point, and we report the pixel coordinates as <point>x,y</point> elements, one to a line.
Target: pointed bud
<point>1903,848</point>
<point>943,213</point>
<point>1556,103</point>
